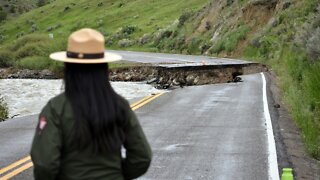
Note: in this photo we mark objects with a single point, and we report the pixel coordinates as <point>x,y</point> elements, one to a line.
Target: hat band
<point>84,56</point>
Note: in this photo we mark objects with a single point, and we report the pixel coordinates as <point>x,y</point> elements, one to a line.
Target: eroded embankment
<point>166,76</point>
<point>160,76</point>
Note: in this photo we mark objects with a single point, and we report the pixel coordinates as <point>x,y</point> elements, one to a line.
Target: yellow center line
<point>13,165</point>
<point>140,101</point>
<point>17,171</point>
<point>26,166</point>
<point>146,102</point>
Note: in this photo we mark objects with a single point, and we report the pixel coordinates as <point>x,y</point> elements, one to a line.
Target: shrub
<point>109,42</point>
<point>34,28</point>
<point>308,38</point>
<point>103,32</point>
<point>54,45</point>
<point>20,34</point>
<point>33,49</point>
<point>121,4</point>
<point>3,16</point>
<point>184,17</point>
<point>2,38</point>
<point>162,34</point>
<point>230,40</point>
<point>6,58</point>
<point>194,46</point>
<point>251,52</point>
<point>313,46</point>
<point>204,47</point>
<point>30,22</point>
<point>51,28</point>
<point>67,8</point>
<point>3,110</point>
<point>127,30</point>
<point>41,3</point>
<point>12,9</point>
<point>235,37</point>
<point>180,43</point>
<point>29,39</point>
<point>218,47</point>
<point>145,39</point>
<point>125,43</point>
<point>34,63</point>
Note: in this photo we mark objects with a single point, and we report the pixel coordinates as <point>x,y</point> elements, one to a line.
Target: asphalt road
<point>201,132</point>
<point>176,59</point>
<point>208,132</point>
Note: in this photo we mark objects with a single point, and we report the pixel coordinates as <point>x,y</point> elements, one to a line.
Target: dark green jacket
<point>55,157</point>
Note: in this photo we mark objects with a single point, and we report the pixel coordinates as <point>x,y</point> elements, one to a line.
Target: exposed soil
<point>290,147</point>
<point>160,76</point>
<point>258,13</point>
<point>166,77</point>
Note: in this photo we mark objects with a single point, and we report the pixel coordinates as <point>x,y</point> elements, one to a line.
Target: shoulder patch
<point>42,123</point>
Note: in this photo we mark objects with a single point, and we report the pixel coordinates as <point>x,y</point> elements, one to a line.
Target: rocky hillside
<point>283,34</point>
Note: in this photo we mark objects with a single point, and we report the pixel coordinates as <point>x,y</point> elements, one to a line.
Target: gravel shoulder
<point>290,147</point>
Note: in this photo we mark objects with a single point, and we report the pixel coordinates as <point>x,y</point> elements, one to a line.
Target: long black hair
<point>98,110</point>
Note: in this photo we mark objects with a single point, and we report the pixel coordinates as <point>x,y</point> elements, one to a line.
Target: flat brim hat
<point>85,46</point>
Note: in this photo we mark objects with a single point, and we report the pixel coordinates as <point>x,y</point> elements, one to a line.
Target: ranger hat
<point>85,46</point>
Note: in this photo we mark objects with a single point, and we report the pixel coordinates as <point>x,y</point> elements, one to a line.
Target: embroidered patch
<point>42,123</point>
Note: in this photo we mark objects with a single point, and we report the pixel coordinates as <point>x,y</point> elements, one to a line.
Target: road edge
<point>289,143</point>
<point>273,170</point>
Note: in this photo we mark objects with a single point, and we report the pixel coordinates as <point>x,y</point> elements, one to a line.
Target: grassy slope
<point>25,39</point>
<point>145,14</point>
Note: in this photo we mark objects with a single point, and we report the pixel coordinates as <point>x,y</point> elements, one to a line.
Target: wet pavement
<point>200,132</point>
<point>208,132</point>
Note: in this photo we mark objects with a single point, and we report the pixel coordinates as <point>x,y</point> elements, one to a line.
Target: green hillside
<point>24,40</point>
<point>283,34</point>
<point>63,17</point>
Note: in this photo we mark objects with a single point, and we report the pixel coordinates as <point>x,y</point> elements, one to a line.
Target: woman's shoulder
<point>58,99</point>
<point>58,102</point>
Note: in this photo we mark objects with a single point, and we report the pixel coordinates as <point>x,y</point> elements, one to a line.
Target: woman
<point>81,131</point>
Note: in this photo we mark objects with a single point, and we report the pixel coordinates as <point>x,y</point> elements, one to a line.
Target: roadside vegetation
<point>282,34</point>
<point>292,49</point>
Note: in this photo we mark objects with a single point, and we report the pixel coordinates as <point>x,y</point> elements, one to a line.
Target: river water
<point>28,96</point>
